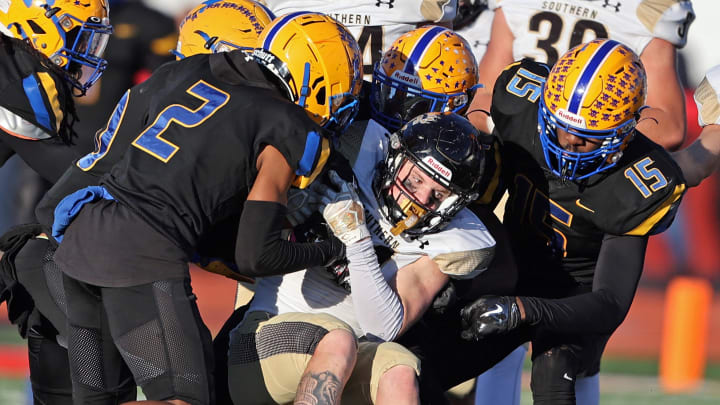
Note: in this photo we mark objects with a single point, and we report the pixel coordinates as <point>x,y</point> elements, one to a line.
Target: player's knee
<point>340,342</point>
<point>400,378</point>
<point>553,377</point>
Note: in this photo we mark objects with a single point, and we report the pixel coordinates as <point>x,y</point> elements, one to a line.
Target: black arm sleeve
<point>601,311</point>
<point>260,251</point>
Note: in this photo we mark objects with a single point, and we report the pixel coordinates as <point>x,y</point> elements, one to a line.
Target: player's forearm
<point>377,306</point>
<point>702,158</point>
<point>664,128</point>
<point>260,251</point>
<point>601,311</point>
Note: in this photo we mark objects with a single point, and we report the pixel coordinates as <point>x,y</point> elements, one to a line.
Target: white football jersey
<point>374,23</point>
<point>545,30</point>
<point>477,33</point>
<point>463,249</point>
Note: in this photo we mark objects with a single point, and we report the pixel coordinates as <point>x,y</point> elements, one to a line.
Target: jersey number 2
<point>150,139</point>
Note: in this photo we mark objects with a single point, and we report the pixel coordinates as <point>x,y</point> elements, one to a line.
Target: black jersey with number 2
<point>194,142</point>
<point>557,226</point>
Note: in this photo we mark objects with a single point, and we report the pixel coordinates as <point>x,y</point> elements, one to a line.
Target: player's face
<point>574,143</point>
<point>413,181</point>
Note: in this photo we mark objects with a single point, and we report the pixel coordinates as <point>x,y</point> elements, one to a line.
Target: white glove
<point>707,98</point>
<point>301,204</point>
<point>342,210</point>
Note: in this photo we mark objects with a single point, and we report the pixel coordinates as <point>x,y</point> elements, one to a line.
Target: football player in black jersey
<point>36,292</point>
<point>210,136</point>
<point>49,51</point>
<point>44,47</point>
<point>586,192</point>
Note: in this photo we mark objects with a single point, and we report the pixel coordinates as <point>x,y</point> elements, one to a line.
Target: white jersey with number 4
<point>463,249</point>
<point>544,30</point>
<point>374,23</point>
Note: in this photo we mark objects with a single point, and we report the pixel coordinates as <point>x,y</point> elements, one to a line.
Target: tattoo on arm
<point>319,389</point>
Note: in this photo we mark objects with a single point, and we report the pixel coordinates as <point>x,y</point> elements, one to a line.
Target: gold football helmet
<point>221,26</point>
<point>72,34</point>
<point>430,68</point>
<point>318,62</point>
<point>594,91</point>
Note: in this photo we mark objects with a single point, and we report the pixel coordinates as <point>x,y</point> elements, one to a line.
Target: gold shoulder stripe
<point>659,214</point>
<point>48,85</point>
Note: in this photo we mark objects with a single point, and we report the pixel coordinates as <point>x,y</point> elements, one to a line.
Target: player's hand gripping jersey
<point>375,24</point>
<point>463,249</point>
<point>638,196</point>
<point>544,30</point>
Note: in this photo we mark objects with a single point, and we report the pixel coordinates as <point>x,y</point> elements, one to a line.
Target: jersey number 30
<point>150,139</point>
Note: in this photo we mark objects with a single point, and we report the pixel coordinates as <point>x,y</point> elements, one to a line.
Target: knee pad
<point>553,376</point>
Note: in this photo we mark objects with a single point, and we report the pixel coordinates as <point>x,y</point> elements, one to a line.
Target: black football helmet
<point>446,147</point>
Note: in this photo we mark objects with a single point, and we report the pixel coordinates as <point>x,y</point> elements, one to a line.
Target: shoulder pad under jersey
<point>517,89</point>
<point>640,197</point>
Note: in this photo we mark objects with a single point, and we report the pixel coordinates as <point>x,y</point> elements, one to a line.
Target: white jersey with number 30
<point>374,23</point>
<point>545,30</point>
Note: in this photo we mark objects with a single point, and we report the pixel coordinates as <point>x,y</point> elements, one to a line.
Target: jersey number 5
<point>150,139</point>
<point>532,206</point>
<point>526,84</point>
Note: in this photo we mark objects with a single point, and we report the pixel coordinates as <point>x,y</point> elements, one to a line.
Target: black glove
<point>446,298</point>
<point>490,315</point>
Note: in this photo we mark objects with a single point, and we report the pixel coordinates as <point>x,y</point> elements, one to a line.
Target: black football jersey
<point>189,143</point>
<point>32,91</point>
<point>557,226</point>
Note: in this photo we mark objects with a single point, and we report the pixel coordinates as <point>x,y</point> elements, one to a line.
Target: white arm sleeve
<point>377,307</point>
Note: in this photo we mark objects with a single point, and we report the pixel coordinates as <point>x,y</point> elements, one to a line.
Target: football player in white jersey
<point>428,69</point>
<point>406,231</point>
<point>543,30</point>
<point>375,23</point>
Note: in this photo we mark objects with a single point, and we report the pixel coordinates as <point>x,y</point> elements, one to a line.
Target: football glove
<point>342,210</point>
<point>490,315</point>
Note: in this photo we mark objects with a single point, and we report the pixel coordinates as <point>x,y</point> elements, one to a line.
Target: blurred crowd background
<point>145,30</point>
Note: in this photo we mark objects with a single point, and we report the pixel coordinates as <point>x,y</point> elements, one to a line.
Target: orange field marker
<point>685,334</point>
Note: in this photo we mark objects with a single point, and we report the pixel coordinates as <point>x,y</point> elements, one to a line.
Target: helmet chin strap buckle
<point>413,213</point>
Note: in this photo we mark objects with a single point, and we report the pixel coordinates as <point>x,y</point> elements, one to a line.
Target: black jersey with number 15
<point>195,138</point>
<point>557,226</point>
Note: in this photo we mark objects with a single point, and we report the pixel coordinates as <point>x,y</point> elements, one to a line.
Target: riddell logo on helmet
<point>438,167</point>
<point>570,118</point>
<point>406,78</point>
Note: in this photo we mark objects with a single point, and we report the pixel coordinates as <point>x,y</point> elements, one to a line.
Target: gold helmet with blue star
<point>71,34</point>
<point>594,91</point>
<point>221,26</point>
<point>318,62</point>
<point>430,68</point>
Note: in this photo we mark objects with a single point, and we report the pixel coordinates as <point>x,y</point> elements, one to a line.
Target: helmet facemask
<point>85,43</point>
<point>573,166</point>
